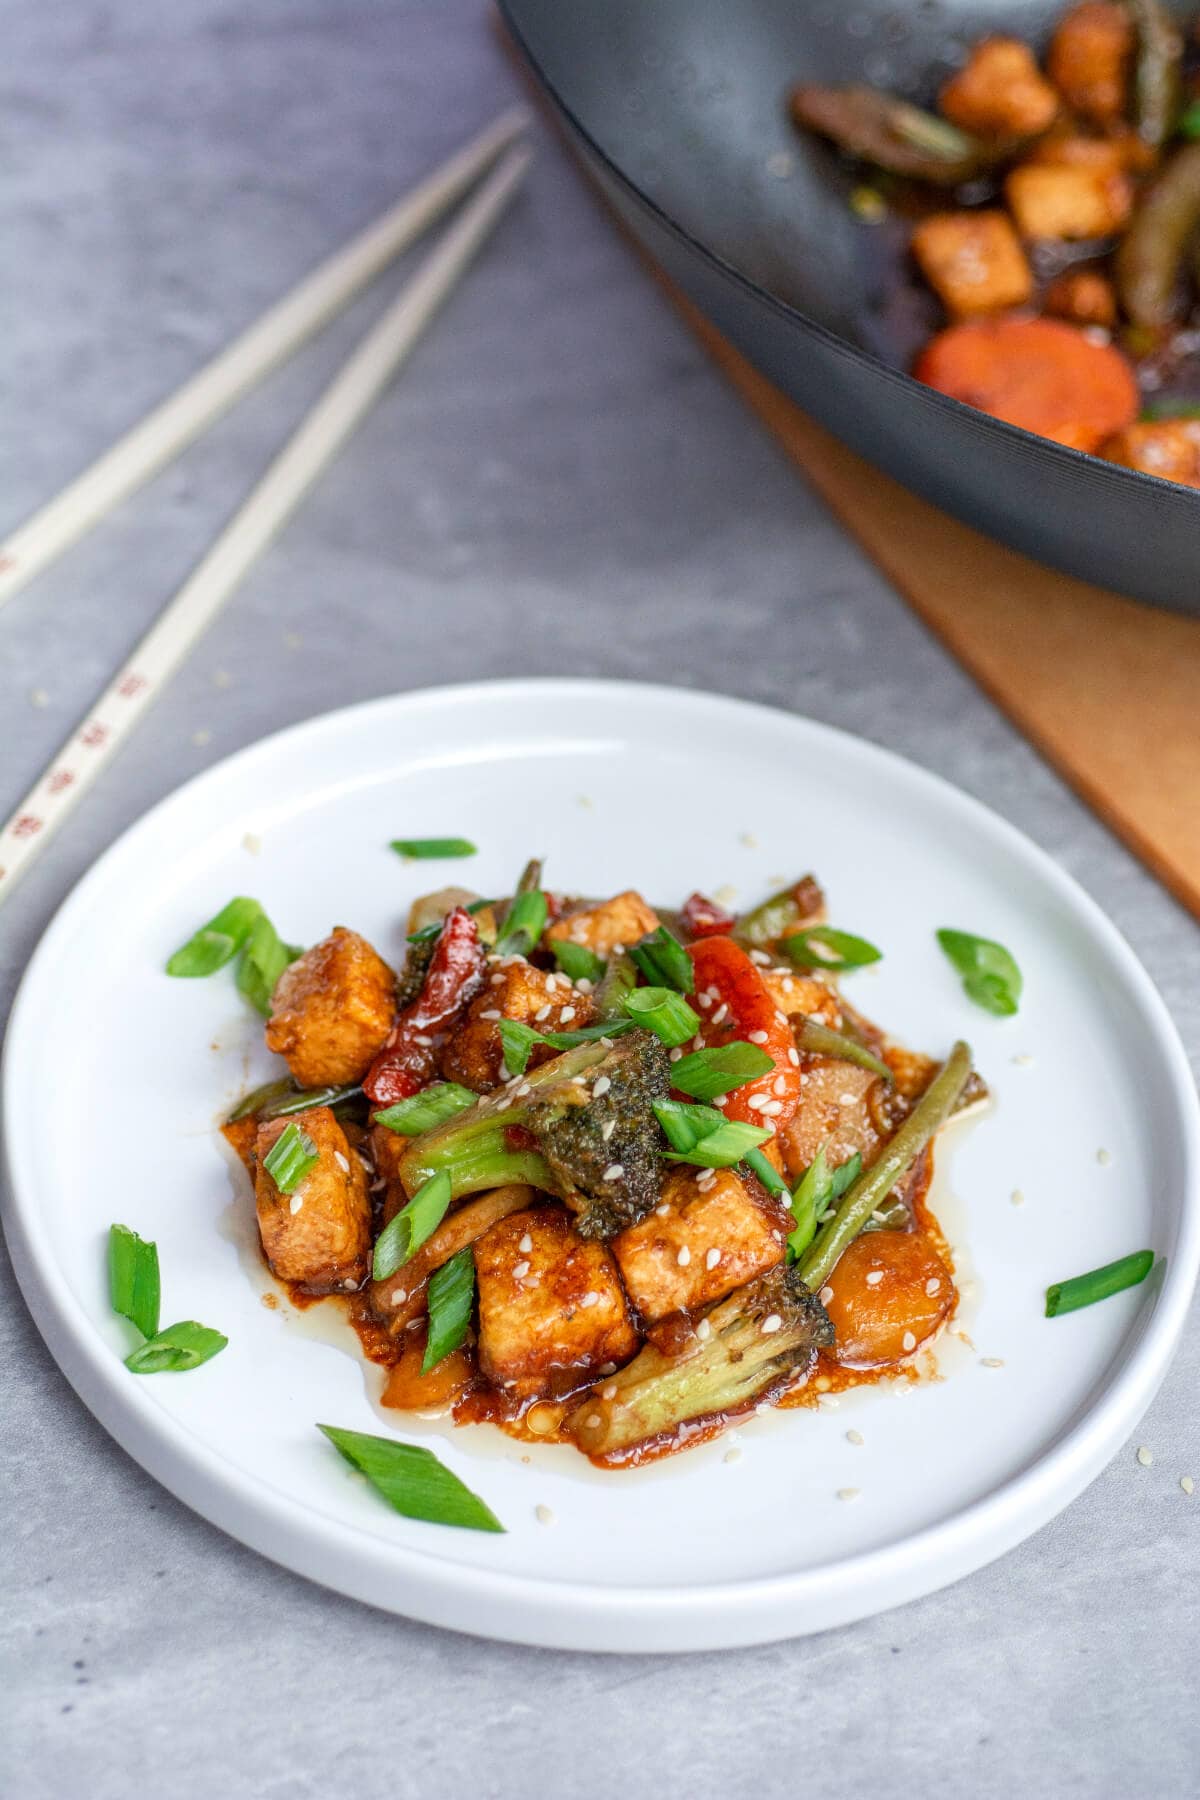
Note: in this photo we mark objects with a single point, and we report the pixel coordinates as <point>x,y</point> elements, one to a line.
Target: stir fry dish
<point>601,1173</point>
<point>1053,208</point>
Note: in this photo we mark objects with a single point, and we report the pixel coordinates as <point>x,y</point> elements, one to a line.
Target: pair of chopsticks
<point>188,412</point>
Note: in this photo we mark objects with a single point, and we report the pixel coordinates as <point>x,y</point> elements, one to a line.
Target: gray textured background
<point>559,483</point>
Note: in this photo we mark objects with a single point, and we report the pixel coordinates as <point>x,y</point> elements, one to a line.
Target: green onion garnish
<point>412,1480</point>
<point>523,928</point>
<point>703,1136</point>
<point>290,1158</point>
<point>264,958</point>
<point>429,849</point>
<point>817,1189</point>
<point>451,1297</point>
<point>707,1073</point>
<point>279,1098</point>
<point>179,1347</point>
<point>421,1112</point>
<point>1098,1284</point>
<point>664,962</point>
<point>821,947</point>
<point>517,1042</point>
<point>435,927</point>
<point>665,1013</point>
<point>403,1236</point>
<point>587,1034</point>
<point>1189,120</point>
<point>990,976</point>
<point>133,1280</point>
<point>685,1125</point>
<point>576,961</point>
<point>218,942</point>
<point>770,1177</point>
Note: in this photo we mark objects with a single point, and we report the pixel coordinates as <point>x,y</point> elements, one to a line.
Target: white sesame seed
<point>992,1362</point>
<point>493,1012</point>
<point>933,1286</point>
<point>606,1043</point>
<point>1104,1158</point>
<point>542,1013</point>
<point>675,1054</point>
<point>756,1037</point>
<point>590,1299</point>
<point>399,1296</point>
<point>607,1129</point>
<point>874,1278</point>
<point>748,838</point>
<point>1145,1456</point>
<point>847,1099</point>
<point>684,1257</point>
<point>583,985</point>
<point>720,1099</point>
<point>761,958</point>
<point>1024,1060</point>
<point>909,1341</point>
<point>520,1271</point>
<point>757,1102</point>
<point>1187,1484</point>
<point>614,1172</point>
<point>721,1013</point>
<point>828,1402</point>
<point>703,1330</point>
<point>1017,1197</point>
<point>831,1213</point>
<point>779,1085</point>
<point>498,981</point>
<point>855,1437</point>
<point>771,1108</point>
<point>601,1085</point>
<point>794,1057</point>
<point>609,1391</point>
<point>771,1323</point>
<point>825,1296</point>
<point>525,1245</point>
<point>712,1258</point>
<point>342,1162</point>
<point>544,1515</point>
<point>592,1420</point>
<point>295,1203</point>
<point>39,697</point>
<point>662,1211</point>
<point>848,1493</point>
<point>734,1455</point>
<point>567,1014</point>
<point>880,1218</point>
<point>251,842</point>
<point>526,1087</point>
<point>202,737</point>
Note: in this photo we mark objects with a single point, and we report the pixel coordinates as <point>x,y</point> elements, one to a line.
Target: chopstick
<point>163,433</point>
<point>321,433</point>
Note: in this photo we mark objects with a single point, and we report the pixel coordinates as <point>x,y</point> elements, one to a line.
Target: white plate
<point>114,1076</point>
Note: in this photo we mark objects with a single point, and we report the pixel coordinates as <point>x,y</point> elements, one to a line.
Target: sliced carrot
<point>1037,373</point>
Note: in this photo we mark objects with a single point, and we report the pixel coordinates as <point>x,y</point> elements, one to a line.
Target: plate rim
<point>571,1614</point>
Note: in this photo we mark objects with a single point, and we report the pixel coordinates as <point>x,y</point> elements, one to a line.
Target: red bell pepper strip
<point>703,918</point>
<point>735,1005</point>
<point>408,1060</point>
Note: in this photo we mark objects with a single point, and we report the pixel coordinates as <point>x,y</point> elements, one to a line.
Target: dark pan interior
<point>680,105</point>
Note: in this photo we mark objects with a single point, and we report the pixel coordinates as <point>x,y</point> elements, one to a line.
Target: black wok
<point>679,108</point>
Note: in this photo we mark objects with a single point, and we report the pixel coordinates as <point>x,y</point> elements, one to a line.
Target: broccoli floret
<point>582,1126</point>
<point>757,1342</point>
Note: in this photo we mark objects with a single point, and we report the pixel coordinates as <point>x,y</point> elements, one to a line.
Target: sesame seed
<point>498,981</point>
<point>675,1054</point>
<point>855,1437</point>
<point>543,1012</point>
<point>607,1129</point>
<point>662,1211</point>
<point>734,1455</point>
<point>520,1271</point>
<point>684,1257</point>
<point>422,1038</point>
<point>567,1014</point>
<point>583,985</point>
<point>757,1102</point>
<point>779,1085</point>
<point>493,1012</point>
<point>221,678</point>
<point>295,1203</point>
<point>756,1037</point>
<point>771,1323</point>
<point>590,1299</point>
<point>1187,1484</point>
<point>794,1057</point>
<point>592,1420</point>
<point>39,697</point>
<point>601,1086</point>
<point>721,1013</point>
<point>847,1099</point>
<point>771,1108</point>
<point>606,1043</point>
<point>1104,1157</point>
<point>720,1099</point>
<point>609,1391</point>
<point>879,1217</point>
<point>526,1087</point>
<point>748,838</point>
<point>251,842</point>
<point>202,737</point>
<point>525,1245</point>
<point>831,1213</point>
<point>761,958</point>
<point>829,1402</point>
<point>1017,1197</point>
<point>909,1341</point>
<point>848,1493</point>
<point>703,1330</point>
<point>874,1278</point>
<point>399,1296</point>
<point>342,1162</point>
<point>1145,1456</point>
<point>614,1172</point>
<point>992,1362</point>
<point>933,1286</point>
<point>825,1296</point>
<point>712,1258</point>
<point>544,1516</point>
<point>1024,1060</point>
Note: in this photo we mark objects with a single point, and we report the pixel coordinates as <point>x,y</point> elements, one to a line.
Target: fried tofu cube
<point>973,261</point>
<point>1049,201</point>
<point>1104,155</point>
<point>1084,296</point>
<point>332,1010</point>
<point>551,1307</point>
<point>1168,448</point>
<point>794,993</point>
<point>623,920</point>
<point>999,92</point>
<point>320,1234</point>
<point>516,990</point>
<point>706,1237</point>
<point>1089,59</point>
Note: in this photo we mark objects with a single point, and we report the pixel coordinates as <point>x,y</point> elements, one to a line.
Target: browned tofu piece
<point>332,1010</point>
<point>623,920</point>
<point>241,1135</point>
<point>833,1111</point>
<point>999,92</point>
<point>973,261</point>
<point>1168,448</point>
<point>1084,296</point>
<point>1051,201</point>
<point>795,993</point>
<point>1090,57</point>
<point>706,1237</point>
<point>320,1234</point>
<point>1103,155</point>
<point>516,990</point>
<point>387,1148</point>
<point>551,1308</point>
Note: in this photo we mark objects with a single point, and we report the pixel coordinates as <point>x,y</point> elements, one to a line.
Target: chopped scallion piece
<point>517,1042</point>
<point>685,1125</point>
<point>403,1236</point>
<point>412,1480</point>
<point>990,976</point>
<point>429,849</point>
<point>178,1347</point>
<point>664,1012</point>
<point>523,928</point>
<point>576,961</point>
<point>664,962</point>
<point>421,1112</point>
<point>290,1158</point>
<point>770,1177</point>
<point>1098,1284</point>
<point>264,958</point>
<point>133,1280</point>
<point>707,1073</point>
<point>703,1136</point>
<point>818,1188</point>
<point>451,1297</point>
<point>587,1034</point>
<point>821,947</point>
<point>216,943</point>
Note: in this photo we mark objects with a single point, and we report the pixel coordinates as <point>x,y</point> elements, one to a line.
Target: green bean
<point>890,133</point>
<point>279,1098</point>
<point>783,912</point>
<point>1151,255</point>
<point>820,1040</point>
<point>1156,82</point>
<point>876,1183</point>
<point>617,982</point>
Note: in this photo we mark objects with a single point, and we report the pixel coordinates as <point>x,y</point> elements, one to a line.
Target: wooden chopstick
<point>321,433</point>
<point>163,433</point>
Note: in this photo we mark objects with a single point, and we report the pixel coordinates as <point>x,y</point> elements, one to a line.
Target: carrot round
<point>1036,373</point>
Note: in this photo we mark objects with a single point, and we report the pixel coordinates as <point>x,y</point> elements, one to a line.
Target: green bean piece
<point>898,1155</point>
<point>771,919</point>
<point>821,1040</point>
<point>1151,255</point>
<point>1157,83</point>
<point>617,983</point>
<point>891,133</point>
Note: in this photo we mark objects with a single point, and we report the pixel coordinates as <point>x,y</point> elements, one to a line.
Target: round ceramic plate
<point>1094,1121</point>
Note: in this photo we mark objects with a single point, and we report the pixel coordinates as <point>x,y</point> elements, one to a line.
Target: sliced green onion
<point>723,1148</point>
<point>264,958</point>
<point>770,1177</point>
<point>412,1480</point>
<point>1098,1284</point>
<point>620,979</point>
<point>421,1112</point>
<point>587,1034</point>
<point>179,1347</point>
<point>133,1280</point>
<point>522,929</point>
<point>812,1195</point>
<point>517,1041</point>
<point>821,947</point>
<point>820,1040</point>
<point>576,961</point>
<point>403,1236</point>
<point>290,1158</point>
<point>664,1012</point>
<point>707,1073</point>
<point>664,961</point>
<point>216,943</point>
<point>686,1125</point>
<point>451,1297</point>
<point>429,849</point>
<point>844,1174</point>
<point>990,976</point>
<point>279,1098</point>
<point>436,926</point>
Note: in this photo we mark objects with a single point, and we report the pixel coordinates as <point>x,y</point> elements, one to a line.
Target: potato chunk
<point>318,1236</point>
<point>622,920</point>
<point>890,1291</point>
<point>999,92</point>
<point>705,1238</point>
<point>332,1010</point>
<point>973,261</point>
<point>551,1308</point>
<point>515,990</point>
<point>1050,201</point>
<point>1168,448</point>
<point>1089,59</point>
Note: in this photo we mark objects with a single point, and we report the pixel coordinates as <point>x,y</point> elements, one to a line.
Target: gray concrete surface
<point>559,483</point>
